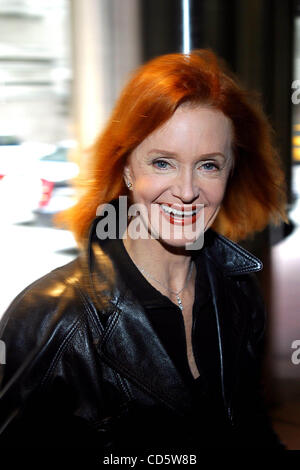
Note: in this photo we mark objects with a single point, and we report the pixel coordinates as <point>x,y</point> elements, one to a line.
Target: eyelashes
<point>163,165</point>
<point>216,167</point>
<point>157,162</point>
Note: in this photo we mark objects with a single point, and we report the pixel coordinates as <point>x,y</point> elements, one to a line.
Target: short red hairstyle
<point>255,193</point>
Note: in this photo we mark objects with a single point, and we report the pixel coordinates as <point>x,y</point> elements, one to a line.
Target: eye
<point>161,164</point>
<point>209,166</point>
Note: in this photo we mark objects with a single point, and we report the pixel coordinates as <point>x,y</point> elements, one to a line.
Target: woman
<point>149,341</point>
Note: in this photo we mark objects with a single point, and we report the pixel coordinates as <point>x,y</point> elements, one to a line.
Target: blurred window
<point>60,155</point>
<point>9,140</point>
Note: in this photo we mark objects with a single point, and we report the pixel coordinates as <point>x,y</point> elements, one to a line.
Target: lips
<point>179,215</point>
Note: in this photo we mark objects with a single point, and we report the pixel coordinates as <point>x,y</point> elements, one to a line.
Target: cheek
<point>215,191</point>
<point>148,187</point>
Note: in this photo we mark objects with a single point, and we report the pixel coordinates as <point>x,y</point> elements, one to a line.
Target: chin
<point>178,235</point>
<point>183,242</point>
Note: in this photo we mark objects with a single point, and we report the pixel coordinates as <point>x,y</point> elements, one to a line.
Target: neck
<point>168,265</point>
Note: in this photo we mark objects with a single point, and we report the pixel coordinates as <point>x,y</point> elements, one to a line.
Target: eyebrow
<point>173,154</point>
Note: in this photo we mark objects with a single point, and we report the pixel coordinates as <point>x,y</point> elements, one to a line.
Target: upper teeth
<point>169,209</point>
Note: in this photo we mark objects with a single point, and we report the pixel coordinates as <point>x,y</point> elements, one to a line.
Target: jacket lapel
<point>131,347</point>
<point>224,261</point>
<point>129,343</point>
<point>228,329</point>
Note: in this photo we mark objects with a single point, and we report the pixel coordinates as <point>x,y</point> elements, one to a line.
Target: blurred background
<point>62,65</point>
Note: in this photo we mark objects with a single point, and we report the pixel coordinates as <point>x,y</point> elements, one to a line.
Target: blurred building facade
<point>35,69</point>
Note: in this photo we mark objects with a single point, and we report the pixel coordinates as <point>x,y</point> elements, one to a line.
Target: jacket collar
<point>229,257</point>
<point>129,340</point>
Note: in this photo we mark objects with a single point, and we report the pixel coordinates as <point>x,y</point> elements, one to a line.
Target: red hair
<point>255,192</point>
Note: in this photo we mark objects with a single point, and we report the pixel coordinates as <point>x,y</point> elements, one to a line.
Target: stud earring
<point>129,185</point>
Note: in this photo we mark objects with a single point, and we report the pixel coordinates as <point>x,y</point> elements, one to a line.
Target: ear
<point>127,174</point>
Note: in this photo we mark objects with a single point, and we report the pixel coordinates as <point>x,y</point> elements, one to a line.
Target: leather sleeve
<point>22,347</point>
<point>33,415</point>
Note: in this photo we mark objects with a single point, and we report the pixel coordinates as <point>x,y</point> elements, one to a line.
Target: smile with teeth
<point>178,213</point>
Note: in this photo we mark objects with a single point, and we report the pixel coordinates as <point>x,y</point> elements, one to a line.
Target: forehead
<point>196,129</point>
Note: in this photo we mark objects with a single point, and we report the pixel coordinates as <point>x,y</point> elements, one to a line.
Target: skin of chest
<point>187,299</point>
<point>188,302</point>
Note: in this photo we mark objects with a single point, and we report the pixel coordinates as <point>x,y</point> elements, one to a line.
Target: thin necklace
<point>172,291</point>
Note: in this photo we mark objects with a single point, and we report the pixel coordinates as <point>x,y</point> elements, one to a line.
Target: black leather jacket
<point>84,367</point>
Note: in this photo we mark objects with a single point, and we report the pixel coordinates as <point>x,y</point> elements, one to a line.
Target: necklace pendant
<point>179,302</point>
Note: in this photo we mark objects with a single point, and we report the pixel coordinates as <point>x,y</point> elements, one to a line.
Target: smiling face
<point>182,164</point>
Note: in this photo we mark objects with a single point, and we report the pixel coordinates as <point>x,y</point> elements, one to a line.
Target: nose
<point>186,187</point>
